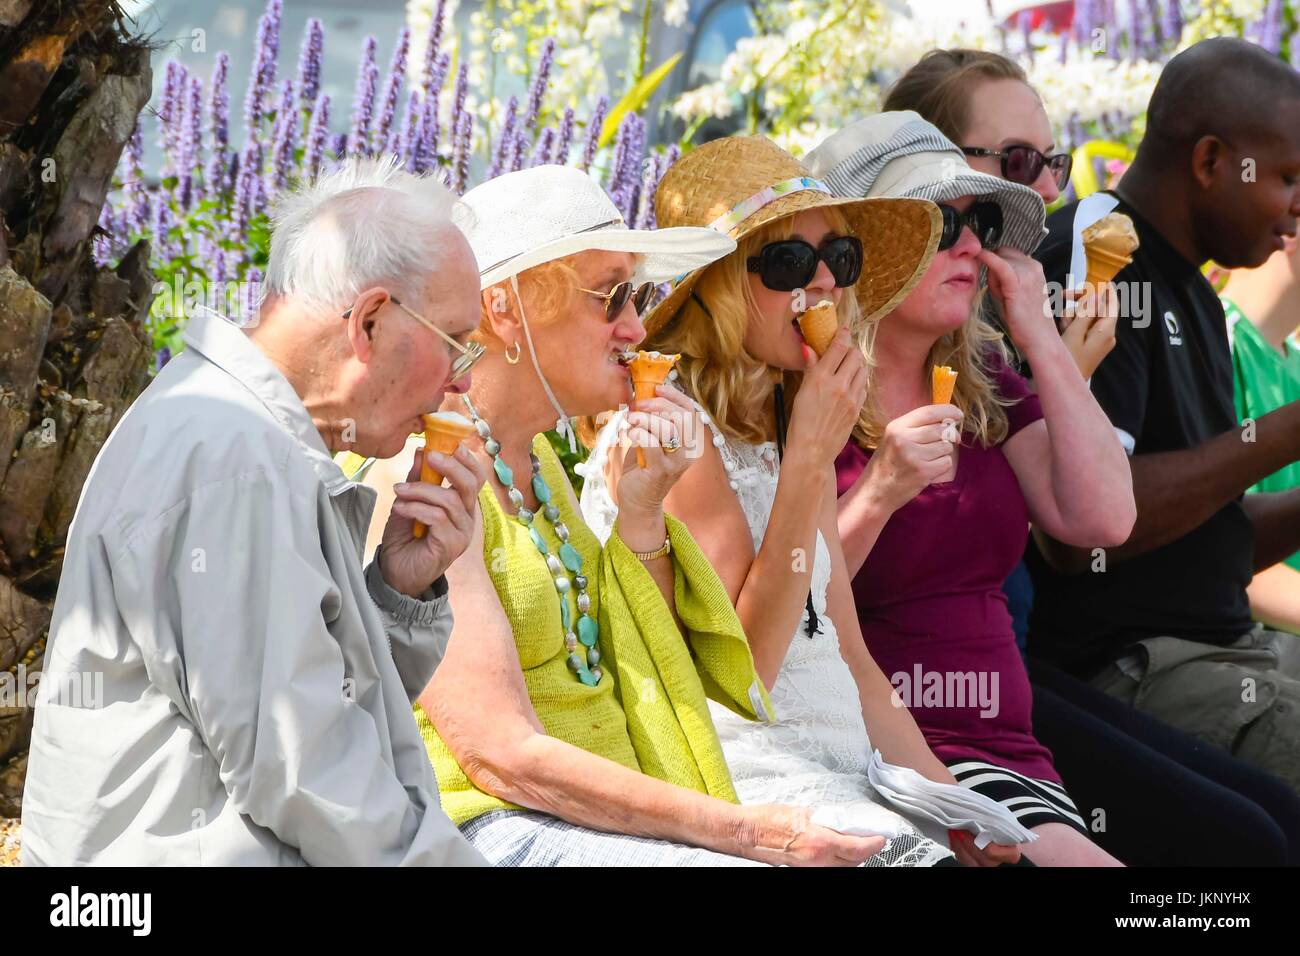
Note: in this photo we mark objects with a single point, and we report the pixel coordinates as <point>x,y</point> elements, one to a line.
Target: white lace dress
<point>815,752</point>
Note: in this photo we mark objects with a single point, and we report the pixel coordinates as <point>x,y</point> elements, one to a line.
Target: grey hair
<point>368,222</point>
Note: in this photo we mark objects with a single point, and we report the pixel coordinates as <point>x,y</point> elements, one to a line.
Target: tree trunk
<point>73,353</point>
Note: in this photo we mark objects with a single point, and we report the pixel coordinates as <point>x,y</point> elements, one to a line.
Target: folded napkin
<point>951,806</point>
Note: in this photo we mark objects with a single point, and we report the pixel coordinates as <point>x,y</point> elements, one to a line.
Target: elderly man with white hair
<point>256,681</point>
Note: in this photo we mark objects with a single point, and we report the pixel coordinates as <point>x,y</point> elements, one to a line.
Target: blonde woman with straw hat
<point>567,721</point>
<point>762,506</point>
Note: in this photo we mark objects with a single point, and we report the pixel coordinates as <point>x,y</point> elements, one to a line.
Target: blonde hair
<point>968,350</point>
<point>714,368</point>
<point>940,84</point>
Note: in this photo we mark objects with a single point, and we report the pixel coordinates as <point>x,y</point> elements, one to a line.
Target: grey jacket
<point>224,684</point>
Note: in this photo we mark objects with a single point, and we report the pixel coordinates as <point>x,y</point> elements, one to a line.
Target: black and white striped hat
<point>900,155</point>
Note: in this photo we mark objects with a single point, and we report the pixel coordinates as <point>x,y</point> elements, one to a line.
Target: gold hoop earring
<point>515,360</point>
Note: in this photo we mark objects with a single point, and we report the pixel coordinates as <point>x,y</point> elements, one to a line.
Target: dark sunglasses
<point>617,297</point>
<point>984,219</point>
<point>790,264</point>
<point>1023,164</point>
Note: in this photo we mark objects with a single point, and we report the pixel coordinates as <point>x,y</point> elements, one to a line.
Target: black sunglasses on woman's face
<point>1023,164</point>
<point>984,219</point>
<point>790,264</point>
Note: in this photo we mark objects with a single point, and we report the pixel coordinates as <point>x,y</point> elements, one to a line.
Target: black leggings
<point>1168,798</point>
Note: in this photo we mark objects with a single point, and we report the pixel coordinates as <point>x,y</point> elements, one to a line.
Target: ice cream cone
<point>942,382</point>
<point>649,370</point>
<point>1109,244</point>
<point>819,325</point>
<point>443,432</point>
<point>1103,265</point>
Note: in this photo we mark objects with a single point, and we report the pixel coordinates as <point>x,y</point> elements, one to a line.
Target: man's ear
<point>363,321</point>
<point>1211,161</point>
<point>501,309</point>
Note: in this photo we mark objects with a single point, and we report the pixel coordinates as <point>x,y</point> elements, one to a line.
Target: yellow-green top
<point>649,711</point>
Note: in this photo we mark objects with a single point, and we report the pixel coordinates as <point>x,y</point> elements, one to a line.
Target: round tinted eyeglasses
<point>617,297</point>
<point>1023,164</point>
<point>790,264</point>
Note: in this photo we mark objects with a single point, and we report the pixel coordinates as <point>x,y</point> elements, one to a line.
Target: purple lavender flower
<point>1171,25</point>
<point>1154,21</point>
<point>105,241</point>
<point>458,100</point>
<point>214,177</point>
<point>517,150</point>
<point>251,296</point>
<point>593,132</point>
<point>616,185</point>
<point>432,48</point>
<point>217,265</point>
<point>425,154</point>
<point>392,91</point>
<point>1271,27</point>
<point>171,112</point>
<point>191,131</point>
<point>645,210</point>
<point>407,138</point>
<point>137,196</point>
<point>262,78</point>
<point>316,136</point>
<point>664,162</point>
<point>565,138</point>
<point>1134,30</point>
<point>505,145</point>
<point>246,188</point>
<point>309,61</point>
<point>163,356</point>
<point>339,145</point>
<point>1025,22</point>
<point>1295,49</point>
<point>363,103</point>
<point>537,90</point>
<point>285,138</point>
<point>1085,18</point>
<point>542,150</point>
<point>161,230</point>
<point>461,144</point>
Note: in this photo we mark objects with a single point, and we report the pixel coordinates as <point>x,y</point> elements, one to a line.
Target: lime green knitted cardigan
<point>649,711</point>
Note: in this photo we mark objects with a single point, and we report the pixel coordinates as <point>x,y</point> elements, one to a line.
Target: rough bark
<point>73,354</point>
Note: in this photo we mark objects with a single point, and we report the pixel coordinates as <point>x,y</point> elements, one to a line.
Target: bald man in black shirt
<point>1163,622</point>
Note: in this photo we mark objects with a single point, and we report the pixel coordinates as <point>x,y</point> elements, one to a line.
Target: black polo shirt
<point>1166,386</point>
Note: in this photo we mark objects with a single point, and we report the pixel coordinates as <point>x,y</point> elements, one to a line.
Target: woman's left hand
<point>1016,282</point>
<point>667,431</point>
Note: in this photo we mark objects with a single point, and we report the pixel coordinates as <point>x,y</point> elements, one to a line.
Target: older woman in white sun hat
<point>567,721</point>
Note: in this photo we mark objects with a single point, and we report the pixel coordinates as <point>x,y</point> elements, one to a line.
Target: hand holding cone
<point>649,370</point>
<point>443,432</point>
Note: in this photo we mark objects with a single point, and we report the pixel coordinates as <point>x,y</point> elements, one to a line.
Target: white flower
<point>675,12</point>
<point>709,100</point>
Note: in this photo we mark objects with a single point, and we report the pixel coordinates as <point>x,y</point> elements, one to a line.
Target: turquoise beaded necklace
<point>565,567</point>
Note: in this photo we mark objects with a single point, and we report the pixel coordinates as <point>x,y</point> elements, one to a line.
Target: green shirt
<point>1264,380</point>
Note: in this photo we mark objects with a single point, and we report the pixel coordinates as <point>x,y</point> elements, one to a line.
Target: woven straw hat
<point>738,184</point>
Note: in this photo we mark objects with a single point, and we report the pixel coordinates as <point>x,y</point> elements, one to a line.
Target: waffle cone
<point>648,371</point>
<point>942,382</point>
<point>444,437</point>
<point>1104,265</point>
<point>819,325</point>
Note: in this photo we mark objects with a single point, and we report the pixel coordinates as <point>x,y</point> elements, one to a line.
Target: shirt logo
<point>1171,324</point>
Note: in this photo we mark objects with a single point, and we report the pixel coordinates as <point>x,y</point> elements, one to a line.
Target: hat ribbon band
<point>601,225</point>
<point>746,208</point>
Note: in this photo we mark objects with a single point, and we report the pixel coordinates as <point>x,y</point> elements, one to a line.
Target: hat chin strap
<point>563,424</point>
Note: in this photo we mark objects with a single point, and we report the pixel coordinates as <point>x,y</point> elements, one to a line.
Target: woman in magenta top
<point>936,497</point>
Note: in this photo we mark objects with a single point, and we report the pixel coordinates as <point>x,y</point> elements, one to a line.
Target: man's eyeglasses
<point>617,298</point>
<point>984,219</point>
<point>469,354</point>
<point>789,264</point>
<point>1023,164</point>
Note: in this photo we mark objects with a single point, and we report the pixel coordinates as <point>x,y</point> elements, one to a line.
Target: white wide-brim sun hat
<point>523,219</point>
<point>902,155</point>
